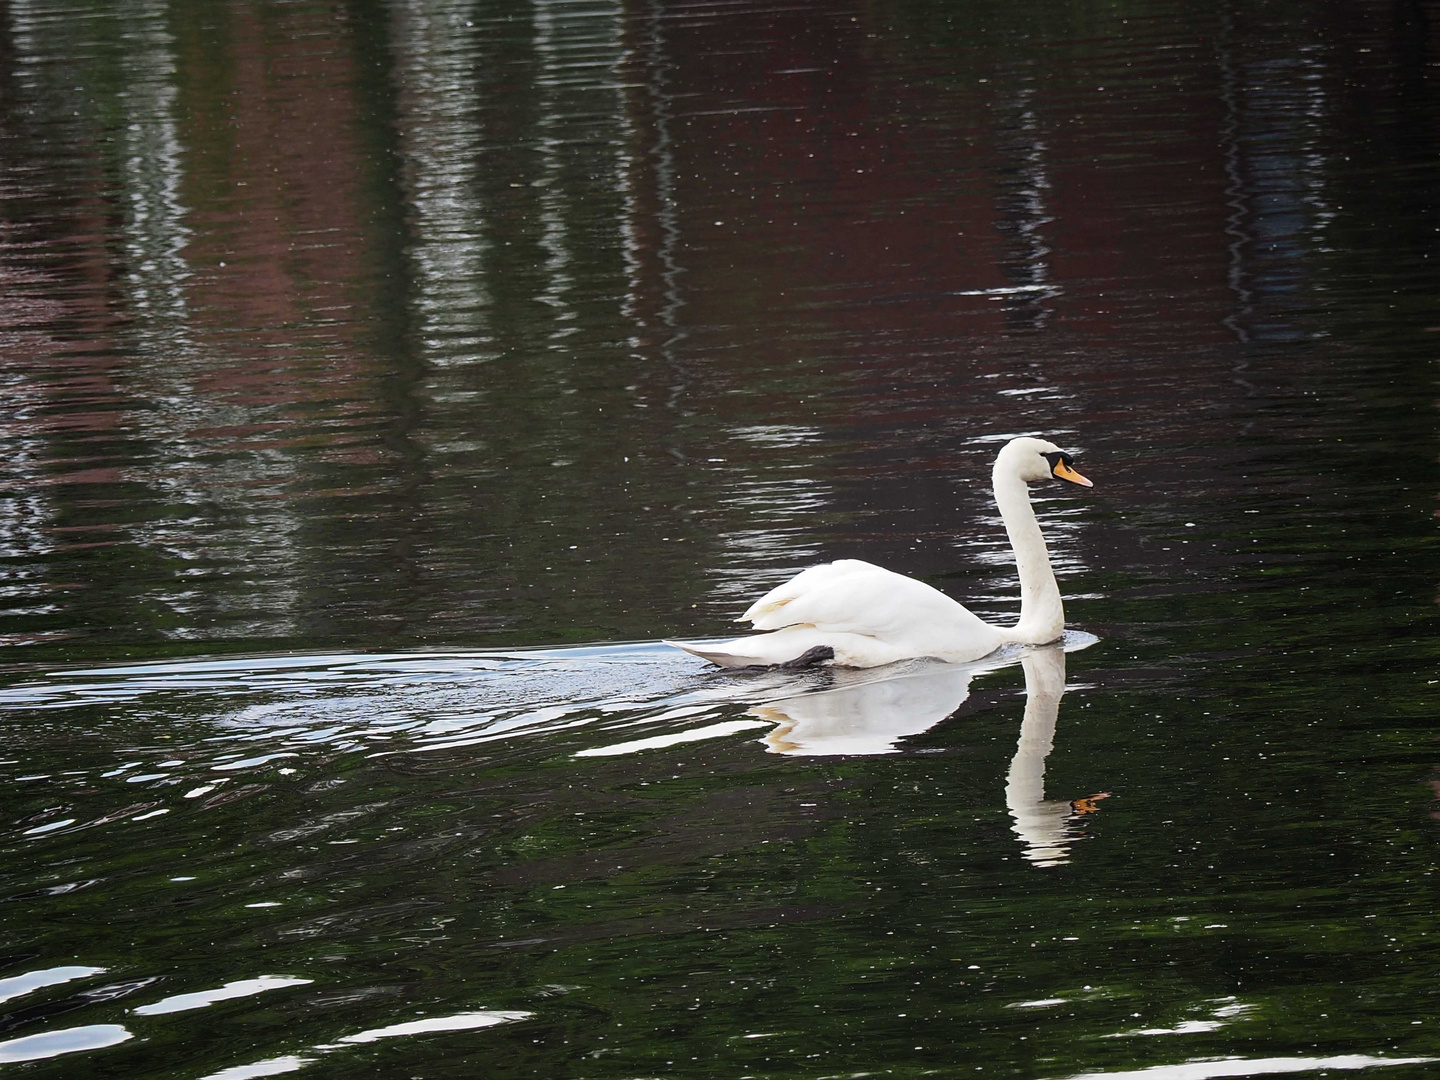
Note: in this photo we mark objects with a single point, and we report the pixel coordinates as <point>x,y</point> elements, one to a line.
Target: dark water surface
<point>365,364</point>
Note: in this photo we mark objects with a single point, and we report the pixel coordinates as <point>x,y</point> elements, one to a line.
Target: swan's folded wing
<point>856,597</point>
<point>773,610</point>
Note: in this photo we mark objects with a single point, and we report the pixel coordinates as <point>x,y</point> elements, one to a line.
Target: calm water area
<point>382,380</point>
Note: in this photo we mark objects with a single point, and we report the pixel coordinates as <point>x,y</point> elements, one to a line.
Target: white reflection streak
<point>19,985</point>
<point>203,998</point>
<point>151,173</point>
<point>579,44</point>
<point>1235,197</point>
<point>663,160</point>
<point>65,1041</point>
<point>151,147</point>
<point>466,1021</point>
<point>554,234</point>
<point>442,146</point>
<point>149,159</point>
<point>1027,211</point>
<point>626,175</point>
<point>689,735</point>
<point>26,516</point>
<point>1206,1070</point>
<point>268,1067</point>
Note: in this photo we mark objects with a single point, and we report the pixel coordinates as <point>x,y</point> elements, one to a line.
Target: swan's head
<point>1033,460</point>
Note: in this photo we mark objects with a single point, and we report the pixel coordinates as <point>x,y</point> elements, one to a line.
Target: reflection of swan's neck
<point>1042,827</point>
<point>1042,617</point>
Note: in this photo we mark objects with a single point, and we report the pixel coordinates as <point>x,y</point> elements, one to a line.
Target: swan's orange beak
<point>1063,471</point>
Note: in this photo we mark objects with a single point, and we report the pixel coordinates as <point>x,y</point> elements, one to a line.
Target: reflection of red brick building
<point>824,170</point>
<point>583,273</point>
<point>282,247</point>
<point>869,215</point>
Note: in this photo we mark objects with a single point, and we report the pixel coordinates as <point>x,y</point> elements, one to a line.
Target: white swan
<point>853,614</point>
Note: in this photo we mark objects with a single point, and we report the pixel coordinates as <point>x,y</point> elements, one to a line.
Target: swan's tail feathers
<point>723,653</point>
<point>717,654</point>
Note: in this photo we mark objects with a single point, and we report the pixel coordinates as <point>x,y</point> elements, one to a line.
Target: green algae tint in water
<point>360,360</point>
<point>608,862</point>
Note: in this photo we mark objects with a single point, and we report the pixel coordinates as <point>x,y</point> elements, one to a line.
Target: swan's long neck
<point>1042,617</point>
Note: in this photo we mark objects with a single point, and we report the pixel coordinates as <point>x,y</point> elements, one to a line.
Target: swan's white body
<point>871,616</point>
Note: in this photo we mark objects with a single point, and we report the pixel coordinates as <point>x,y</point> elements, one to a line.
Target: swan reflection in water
<point>1046,827</point>
<point>871,717</point>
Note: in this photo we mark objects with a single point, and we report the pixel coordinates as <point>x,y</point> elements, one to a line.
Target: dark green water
<point>371,369</point>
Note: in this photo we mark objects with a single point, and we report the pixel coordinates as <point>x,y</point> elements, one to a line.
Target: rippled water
<point>383,380</point>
